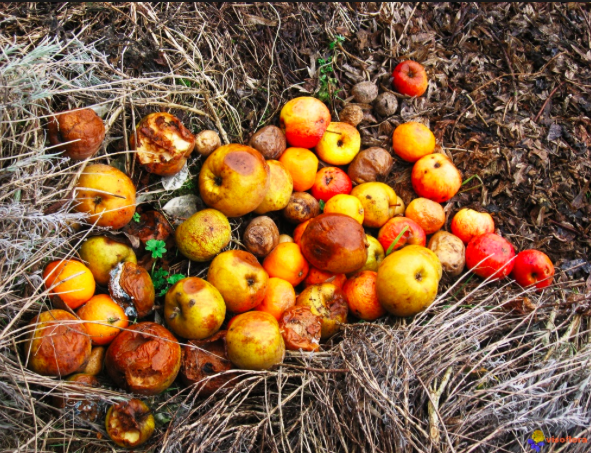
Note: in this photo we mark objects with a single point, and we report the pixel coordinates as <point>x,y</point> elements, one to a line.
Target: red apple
<point>304,120</point>
<point>532,267</point>
<point>331,181</point>
<point>490,255</point>
<point>414,234</point>
<point>410,78</point>
<point>468,223</point>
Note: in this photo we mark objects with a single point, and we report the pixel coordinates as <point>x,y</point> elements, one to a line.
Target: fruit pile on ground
<point>213,275</point>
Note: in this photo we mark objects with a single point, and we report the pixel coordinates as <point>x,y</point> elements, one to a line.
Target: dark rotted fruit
<point>206,359</point>
<point>269,141</point>
<point>132,288</point>
<point>335,243</point>
<point>327,301</point>
<point>301,207</point>
<point>152,225</point>
<point>371,164</point>
<point>84,406</point>
<point>261,236</point>
<point>57,344</point>
<point>83,128</point>
<point>144,359</point>
<point>162,143</point>
<point>130,424</point>
<point>301,329</point>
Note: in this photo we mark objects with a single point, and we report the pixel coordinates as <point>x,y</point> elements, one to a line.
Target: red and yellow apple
<point>339,145</point>
<point>413,233</point>
<point>304,121</point>
<point>468,223</point>
<point>410,78</point>
<point>435,177</point>
<point>331,181</point>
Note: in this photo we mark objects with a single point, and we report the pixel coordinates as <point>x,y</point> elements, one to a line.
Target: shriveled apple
<point>327,301</point>
<point>78,133</point>
<point>131,287</point>
<point>130,424</point>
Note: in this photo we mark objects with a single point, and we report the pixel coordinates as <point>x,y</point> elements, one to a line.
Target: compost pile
<point>508,102</point>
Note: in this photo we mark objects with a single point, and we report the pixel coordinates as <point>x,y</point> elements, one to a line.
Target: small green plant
<point>136,218</point>
<point>328,85</point>
<point>157,247</point>
<point>162,281</point>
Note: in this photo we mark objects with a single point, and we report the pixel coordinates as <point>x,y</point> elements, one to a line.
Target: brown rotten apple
<point>130,424</point>
<point>57,344</point>
<point>78,133</point>
<point>85,407</point>
<point>107,195</point>
<point>132,288</point>
<point>327,301</point>
<point>162,143</point>
<point>234,179</point>
<point>335,243</point>
<point>144,359</point>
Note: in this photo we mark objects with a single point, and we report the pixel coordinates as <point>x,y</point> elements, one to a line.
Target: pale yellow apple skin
<point>234,179</point>
<point>375,255</point>
<point>254,341</point>
<point>407,281</point>
<point>239,278</point>
<point>346,204</point>
<point>340,144</point>
<point>107,195</point>
<point>102,255</point>
<point>327,301</point>
<point>280,188</point>
<point>194,309</point>
<point>203,235</point>
<point>379,203</point>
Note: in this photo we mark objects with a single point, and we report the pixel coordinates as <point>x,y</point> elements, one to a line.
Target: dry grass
<point>464,376</point>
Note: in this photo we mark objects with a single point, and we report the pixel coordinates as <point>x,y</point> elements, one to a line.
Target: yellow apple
<point>375,255</point>
<point>327,301</point>
<point>103,255</point>
<point>194,309</point>
<point>408,280</point>
<point>345,204</point>
<point>239,278</point>
<point>339,145</point>
<point>107,195</point>
<point>203,235</point>
<point>234,179</point>
<point>379,203</point>
<point>280,188</point>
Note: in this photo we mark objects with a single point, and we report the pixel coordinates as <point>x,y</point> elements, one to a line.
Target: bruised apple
<point>132,288</point>
<point>203,235</point>
<point>239,278</point>
<point>162,143</point>
<point>379,203</point>
<point>151,225</point>
<point>106,194</point>
<point>78,133</point>
<point>57,344</point>
<point>234,179</point>
<point>194,309</point>
<point>85,406</point>
<point>410,232</point>
<point>254,341</point>
<point>304,120</point>
<point>334,243</point>
<point>203,359</point>
<point>327,301</point>
<point>144,359</point>
<point>280,188</point>
<point>130,424</point>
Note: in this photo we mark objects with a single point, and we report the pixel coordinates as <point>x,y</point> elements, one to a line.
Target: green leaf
<point>136,217</point>
<point>322,204</point>
<point>175,278</point>
<point>159,278</point>
<point>158,248</point>
<point>395,241</point>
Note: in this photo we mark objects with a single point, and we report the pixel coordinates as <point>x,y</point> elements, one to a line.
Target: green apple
<point>103,254</point>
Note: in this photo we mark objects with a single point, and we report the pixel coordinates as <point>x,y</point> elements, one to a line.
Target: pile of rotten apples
<point>353,250</point>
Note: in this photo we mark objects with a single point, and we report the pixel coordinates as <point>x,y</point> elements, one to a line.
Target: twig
<point>546,102</point>
<point>433,406</point>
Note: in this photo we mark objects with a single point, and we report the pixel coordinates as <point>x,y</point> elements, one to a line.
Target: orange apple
<point>435,177</point>
<point>280,188</point>
<point>304,121</point>
<point>234,179</point>
<point>339,145</point>
<point>468,223</point>
<point>107,195</point>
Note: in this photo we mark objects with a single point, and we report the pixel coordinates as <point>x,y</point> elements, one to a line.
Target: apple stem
<point>104,192</point>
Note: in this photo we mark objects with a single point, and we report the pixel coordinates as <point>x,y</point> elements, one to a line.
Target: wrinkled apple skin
<point>103,254</point>
<point>234,179</point>
<point>194,309</point>
<point>334,243</point>
<point>130,424</point>
<point>327,301</point>
<point>301,329</point>
<point>408,280</point>
<point>132,288</point>
<point>254,341</point>
<point>490,256</point>
<point>114,209</point>
<point>58,345</point>
<point>304,120</point>
<point>144,359</point>
<point>468,223</point>
<point>450,250</point>
<point>84,128</point>
<point>533,267</point>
